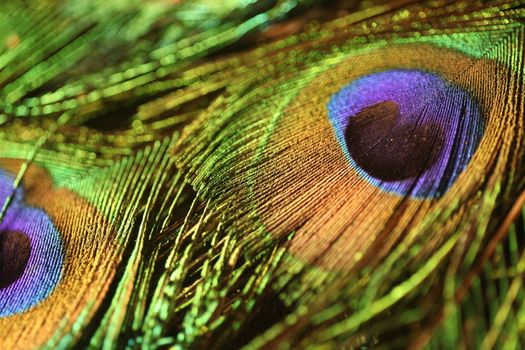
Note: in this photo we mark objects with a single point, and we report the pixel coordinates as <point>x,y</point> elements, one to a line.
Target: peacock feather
<point>274,174</point>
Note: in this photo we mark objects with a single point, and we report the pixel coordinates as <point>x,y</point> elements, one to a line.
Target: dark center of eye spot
<point>389,150</point>
<point>15,248</point>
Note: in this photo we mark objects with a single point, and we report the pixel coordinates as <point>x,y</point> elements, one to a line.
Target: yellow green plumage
<point>260,175</point>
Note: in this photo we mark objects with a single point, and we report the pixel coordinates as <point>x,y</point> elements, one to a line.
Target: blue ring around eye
<point>406,131</point>
<point>40,273</point>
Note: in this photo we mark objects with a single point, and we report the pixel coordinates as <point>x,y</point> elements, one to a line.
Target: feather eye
<point>379,148</point>
<point>379,161</point>
<point>56,239</point>
<point>361,148</point>
<point>406,131</point>
<point>32,253</point>
<point>84,220</point>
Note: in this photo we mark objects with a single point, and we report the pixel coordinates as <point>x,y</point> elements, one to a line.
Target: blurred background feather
<point>262,174</point>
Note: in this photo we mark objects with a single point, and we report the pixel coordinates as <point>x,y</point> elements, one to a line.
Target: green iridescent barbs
<point>199,132</point>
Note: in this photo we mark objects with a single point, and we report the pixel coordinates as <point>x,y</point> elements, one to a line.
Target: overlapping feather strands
<point>270,174</point>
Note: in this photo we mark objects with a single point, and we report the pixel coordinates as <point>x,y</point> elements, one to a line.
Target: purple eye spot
<point>408,132</point>
<point>31,253</point>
